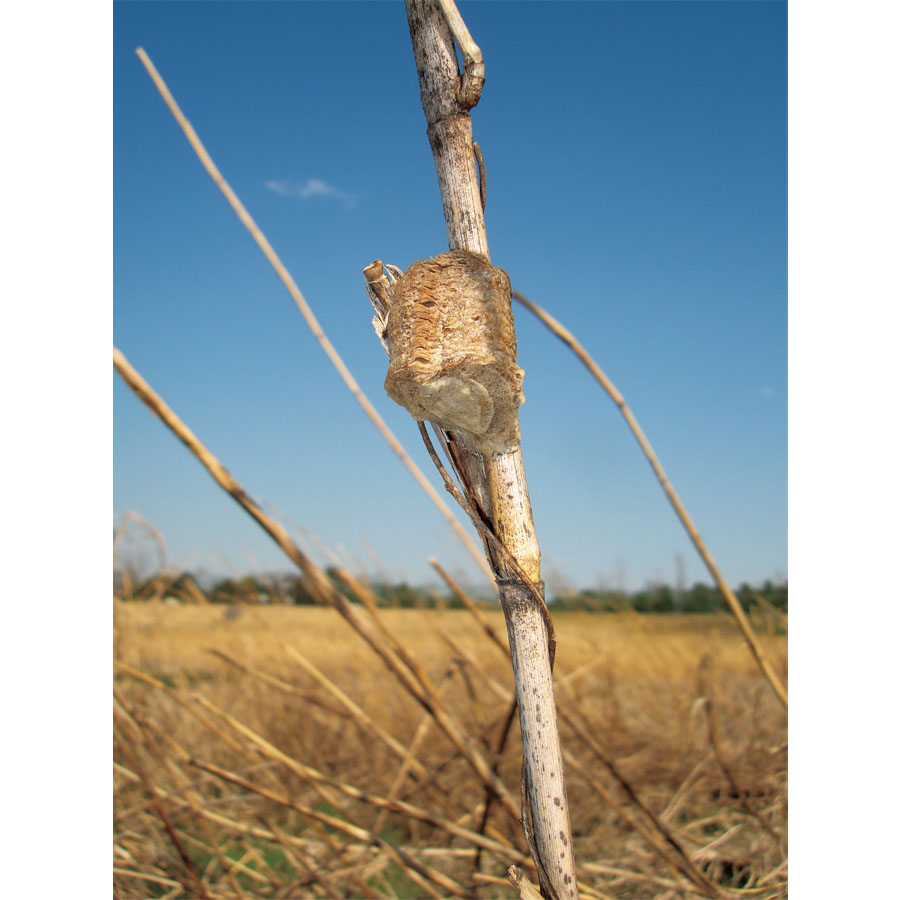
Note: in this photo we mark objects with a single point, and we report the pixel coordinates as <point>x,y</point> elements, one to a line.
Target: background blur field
<point>673,703</point>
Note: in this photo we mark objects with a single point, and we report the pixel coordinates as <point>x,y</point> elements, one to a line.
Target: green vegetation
<point>291,590</point>
<point>701,598</point>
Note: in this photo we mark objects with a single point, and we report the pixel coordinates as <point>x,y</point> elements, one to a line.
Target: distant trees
<point>182,587</point>
<point>700,598</point>
<point>291,590</point>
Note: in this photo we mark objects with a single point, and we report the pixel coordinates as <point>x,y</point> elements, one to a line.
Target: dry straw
<point>734,606</point>
<point>514,557</point>
<point>370,627</point>
<point>305,309</point>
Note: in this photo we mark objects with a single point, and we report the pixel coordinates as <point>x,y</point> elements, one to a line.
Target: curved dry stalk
<point>307,312</point>
<point>734,606</point>
<point>119,534</point>
<point>372,630</point>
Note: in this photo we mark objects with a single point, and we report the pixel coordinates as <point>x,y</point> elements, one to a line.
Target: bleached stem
<point>497,480</point>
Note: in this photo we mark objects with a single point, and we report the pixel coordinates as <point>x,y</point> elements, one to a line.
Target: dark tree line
<point>701,598</point>
<point>291,590</point>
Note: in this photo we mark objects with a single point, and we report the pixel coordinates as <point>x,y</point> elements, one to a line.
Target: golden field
<point>269,751</point>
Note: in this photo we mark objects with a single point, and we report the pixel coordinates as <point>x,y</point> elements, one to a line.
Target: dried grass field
<point>268,751</point>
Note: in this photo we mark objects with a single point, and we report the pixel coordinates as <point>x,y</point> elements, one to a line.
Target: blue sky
<point>636,160</point>
<point>182,293</point>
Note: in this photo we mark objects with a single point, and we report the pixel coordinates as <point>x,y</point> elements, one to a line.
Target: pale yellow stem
<point>307,312</point>
<point>753,643</point>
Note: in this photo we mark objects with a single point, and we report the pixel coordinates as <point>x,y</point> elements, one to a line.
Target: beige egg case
<point>452,349</point>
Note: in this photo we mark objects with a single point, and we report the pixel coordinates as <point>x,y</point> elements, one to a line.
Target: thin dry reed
<point>305,309</point>
<point>743,623</point>
<point>347,750</point>
<point>325,790</point>
<point>234,763</point>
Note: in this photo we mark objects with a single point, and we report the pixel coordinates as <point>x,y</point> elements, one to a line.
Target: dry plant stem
<point>301,860</point>
<point>372,630</point>
<point>532,645</point>
<point>312,699</point>
<point>318,582</point>
<point>656,832</point>
<point>499,551</point>
<point>193,874</point>
<point>307,312</point>
<point>141,876</point>
<point>446,99</point>
<point>659,834</point>
<point>415,746</point>
<point>473,63</point>
<point>527,891</point>
<point>361,716</point>
<point>744,797</point>
<point>401,857</point>
<point>753,643</point>
<point>470,605</point>
<point>400,806</point>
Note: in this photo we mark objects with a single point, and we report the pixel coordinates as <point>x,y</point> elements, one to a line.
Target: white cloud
<point>312,187</point>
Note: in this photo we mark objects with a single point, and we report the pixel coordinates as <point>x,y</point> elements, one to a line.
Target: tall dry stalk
<point>491,472</point>
<point>311,320</point>
<point>566,336</point>
<point>371,628</point>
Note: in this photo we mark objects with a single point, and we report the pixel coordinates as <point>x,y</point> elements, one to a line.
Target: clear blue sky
<point>636,161</point>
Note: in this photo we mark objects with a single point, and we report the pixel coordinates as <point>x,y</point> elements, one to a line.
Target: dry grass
<point>286,798</point>
<point>336,752</point>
